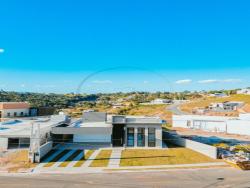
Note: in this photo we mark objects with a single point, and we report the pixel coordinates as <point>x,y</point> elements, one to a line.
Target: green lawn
<point>102,159</point>
<point>84,158</point>
<point>143,157</point>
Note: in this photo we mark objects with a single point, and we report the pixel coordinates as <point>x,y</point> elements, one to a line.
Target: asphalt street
<point>200,178</point>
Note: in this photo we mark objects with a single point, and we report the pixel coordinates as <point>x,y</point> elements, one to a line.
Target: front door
<point>118,135</point>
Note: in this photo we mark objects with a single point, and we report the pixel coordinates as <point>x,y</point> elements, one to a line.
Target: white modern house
<point>16,133</point>
<point>231,125</point>
<point>226,106</point>
<point>96,128</point>
<point>14,109</point>
<point>244,91</point>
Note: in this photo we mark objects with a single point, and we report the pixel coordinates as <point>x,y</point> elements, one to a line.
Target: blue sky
<point>50,46</point>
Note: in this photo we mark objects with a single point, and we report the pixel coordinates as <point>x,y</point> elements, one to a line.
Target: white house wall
<point>101,137</point>
<point>214,123</point>
<point>238,127</point>
<point>4,143</point>
<point>12,111</point>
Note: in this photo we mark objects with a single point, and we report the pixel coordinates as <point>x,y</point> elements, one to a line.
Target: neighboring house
<point>96,128</point>
<point>16,133</point>
<point>219,95</point>
<point>14,109</point>
<point>226,106</point>
<point>244,91</point>
<point>117,105</point>
<point>230,125</point>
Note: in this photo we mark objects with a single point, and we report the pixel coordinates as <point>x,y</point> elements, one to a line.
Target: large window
<point>130,137</point>
<point>141,137</point>
<point>151,137</point>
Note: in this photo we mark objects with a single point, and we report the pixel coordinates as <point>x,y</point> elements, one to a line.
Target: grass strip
<point>102,159</point>
<point>70,158</point>
<point>84,158</point>
<point>51,152</point>
<point>56,158</point>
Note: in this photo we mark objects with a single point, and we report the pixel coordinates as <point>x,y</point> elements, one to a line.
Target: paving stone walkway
<point>115,158</point>
<point>90,159</point>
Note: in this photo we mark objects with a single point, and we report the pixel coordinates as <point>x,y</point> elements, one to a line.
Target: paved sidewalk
<point>127,168</point>
<point>115,158</point>
<point>90,159</point>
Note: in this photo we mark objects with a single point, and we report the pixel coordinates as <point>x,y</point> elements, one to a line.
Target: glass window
<point>8,114</point>
<point>141,137</point>
<point>15,114</point>
<point>130,137</point>
<point>151,137</point>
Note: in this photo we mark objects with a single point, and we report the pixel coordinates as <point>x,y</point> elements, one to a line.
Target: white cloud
<point>210,81</point>
<point>231,80</point>
<point>22,85</point>
<point>102,82</point>
<point>207,81</point>
<point>186,81</point>
<point>145,82</point>
<point>1,50</point>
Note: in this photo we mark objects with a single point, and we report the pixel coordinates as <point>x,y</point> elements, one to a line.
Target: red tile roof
<point>13,105</point>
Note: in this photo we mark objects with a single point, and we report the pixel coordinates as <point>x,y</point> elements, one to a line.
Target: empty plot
<point>102,159</point>
<point>56,158</point>
<point>70,158</point>
<point>84,158</point>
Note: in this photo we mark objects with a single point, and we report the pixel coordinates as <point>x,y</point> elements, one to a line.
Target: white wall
<point>241,127</point>
<point>12,111</point>
<point>215,123</point>
<point>101,137</point>
<point>4,143</point>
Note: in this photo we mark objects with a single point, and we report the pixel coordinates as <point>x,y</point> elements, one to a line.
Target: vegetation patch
<point>102,159</point>
<point>143,157</point>
<point>84,158</point>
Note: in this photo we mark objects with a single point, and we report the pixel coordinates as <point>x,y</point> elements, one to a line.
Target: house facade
<point>97,128</point>
<point>14,109</point>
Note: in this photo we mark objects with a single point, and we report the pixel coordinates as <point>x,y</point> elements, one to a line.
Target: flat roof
<point>93,124</point>
<point>22,127</point>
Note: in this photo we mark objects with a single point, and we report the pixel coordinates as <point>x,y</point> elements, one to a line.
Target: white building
<point>238,125</point>
<point>97,128</point>
<point>16,133</point>
<point>14,109</point>
<point>221,95</point>
<point>161,101</point>
<point>226,106</point>
<point>244,91</point>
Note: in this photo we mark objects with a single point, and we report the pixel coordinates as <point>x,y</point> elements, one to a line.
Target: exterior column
<point>125,137</point>
<point>135,136</point>
<point>146,136</point>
